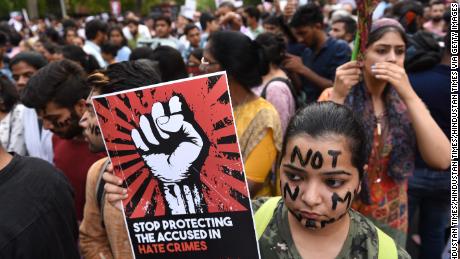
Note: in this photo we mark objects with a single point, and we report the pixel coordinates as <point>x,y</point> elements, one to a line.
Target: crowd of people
<point>380,124</point>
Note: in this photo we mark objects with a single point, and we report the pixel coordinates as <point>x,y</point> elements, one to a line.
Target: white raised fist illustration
<point>170,146</point>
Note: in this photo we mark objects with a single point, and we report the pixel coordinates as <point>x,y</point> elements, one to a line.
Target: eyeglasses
<point>204,64</point>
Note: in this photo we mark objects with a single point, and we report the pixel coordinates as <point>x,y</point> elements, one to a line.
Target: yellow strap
<point>264,214</point>
<point>387,246</point>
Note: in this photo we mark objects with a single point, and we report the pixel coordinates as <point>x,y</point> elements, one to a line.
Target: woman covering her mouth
<point>321,167</point>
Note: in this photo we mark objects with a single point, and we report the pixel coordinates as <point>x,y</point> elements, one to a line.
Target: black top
<point>37,213</point>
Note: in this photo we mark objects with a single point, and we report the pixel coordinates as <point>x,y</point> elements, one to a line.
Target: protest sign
<point>175,146</point>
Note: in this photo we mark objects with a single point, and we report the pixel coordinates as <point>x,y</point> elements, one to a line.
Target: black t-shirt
<point>37,213</point>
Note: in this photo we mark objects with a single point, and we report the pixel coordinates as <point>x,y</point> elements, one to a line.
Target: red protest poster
<point>176,148</point>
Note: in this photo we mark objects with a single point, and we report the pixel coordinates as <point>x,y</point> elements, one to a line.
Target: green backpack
<point>263,216</point>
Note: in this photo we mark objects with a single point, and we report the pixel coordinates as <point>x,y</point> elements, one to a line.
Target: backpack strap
<point>100,191</point>
<point>282,79</point>
<point>387,246</point>
<point>264,215</point>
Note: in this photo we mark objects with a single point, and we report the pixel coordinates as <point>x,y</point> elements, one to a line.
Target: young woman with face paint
<point>395,119</point>
<point>321,168</point>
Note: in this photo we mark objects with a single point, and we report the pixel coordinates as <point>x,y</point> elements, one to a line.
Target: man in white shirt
<point>37,139</point>
<point>96,33</point>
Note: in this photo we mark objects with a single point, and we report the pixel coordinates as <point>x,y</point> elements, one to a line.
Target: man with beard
<point>436,24</point>
<point>317,65</point>
<point>102,231</point>
<point>58,92</point>
<point>37,140</point>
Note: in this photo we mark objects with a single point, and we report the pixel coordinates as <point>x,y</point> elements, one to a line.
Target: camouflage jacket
<point>276,242</point>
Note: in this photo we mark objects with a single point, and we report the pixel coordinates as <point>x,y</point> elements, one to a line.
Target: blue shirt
<point>123,54</point>
<point>433,87</point>
<point>333,54</point>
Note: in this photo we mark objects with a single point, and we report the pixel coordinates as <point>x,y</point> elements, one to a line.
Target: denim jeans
<point>429,191</point>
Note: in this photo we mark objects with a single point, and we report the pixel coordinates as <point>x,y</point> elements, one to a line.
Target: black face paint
<point>334,154</point>
<point>94,130</point>
<point>310,223</point>
<point>287,189</point>
<point>297,216</point>
<point>317,160</point>
<point>332,220</point>
<point>61,124</point>
<point>296,153</point>
<point>336,198</point>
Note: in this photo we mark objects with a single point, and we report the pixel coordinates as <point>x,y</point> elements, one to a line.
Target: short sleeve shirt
<point>333,54</point>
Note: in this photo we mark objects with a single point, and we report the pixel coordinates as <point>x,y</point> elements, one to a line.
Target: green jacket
<point>276,241</point>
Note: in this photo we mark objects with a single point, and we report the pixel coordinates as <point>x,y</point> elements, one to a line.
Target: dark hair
<point>324,119</point>
<point>170,62</point>
<point>140,53</point>
<point>118,28</point>
<point>93,27</point>
<point>228,4</point>
<point>197,53</point>
<point>124,75</point>
<point>66,31</point>
<point>75,53</point>
<point>63,82</point>
<point>8,94</point>
<point>252,11</point>
<point>273,20</point>
<point>3,39</point>
<point>190,27</point>
<point>69,24</point>
<point>133,21</point>
<point>307,15</point>
<point>436,3</point>
<point>52,47</point>
<point>274,47</point>
<point>406,13</point>
<point>163,18</point>
<point>242,58</point>
<point>110,48</point>
<point>349,22</point>
<point>52,35</point>
<point>380,32</point>
<point>33,59</point>
<point>205,18</point>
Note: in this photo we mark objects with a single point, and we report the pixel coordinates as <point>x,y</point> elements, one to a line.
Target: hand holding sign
<point>170,145</point>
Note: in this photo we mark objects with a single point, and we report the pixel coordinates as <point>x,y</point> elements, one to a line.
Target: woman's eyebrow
<point>338,172</point>
<point>295,168</point>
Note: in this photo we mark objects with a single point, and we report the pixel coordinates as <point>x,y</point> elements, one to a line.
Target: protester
<point>135,35</point>
<point>343,28</point>
<point>395,120</point>
<point>163,34</point>
<point>117,38</point>
<point>436,23</point>
<point>37,139</point>
<point>95,31</point>
<point>428,188</point>
<point>252,16</point>
<point>209,24</point>
<point>192,33</point>
<point>276,86</point>
<point>102,231</point>
<point>109,53</point>
<point>323,54</point>
<point>58,92</point>
<point>38,215</point>
<point>11,118</point>
<point>170,63</point>
<point>75,53</point>
<point>314,219</point>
